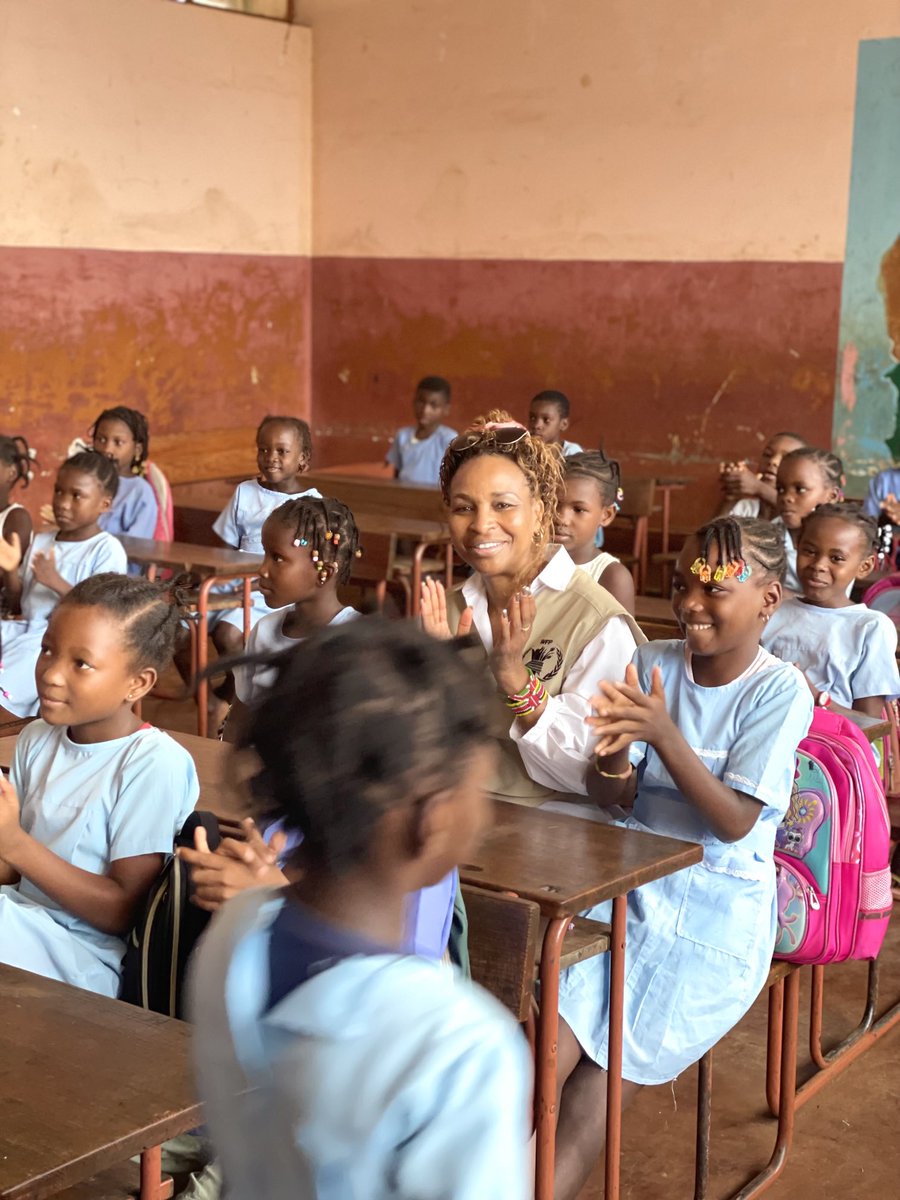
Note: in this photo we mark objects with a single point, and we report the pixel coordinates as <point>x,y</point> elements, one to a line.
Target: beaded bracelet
<point>530,698</point>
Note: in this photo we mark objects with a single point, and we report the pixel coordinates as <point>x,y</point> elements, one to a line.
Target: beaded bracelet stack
<point>530,698</point>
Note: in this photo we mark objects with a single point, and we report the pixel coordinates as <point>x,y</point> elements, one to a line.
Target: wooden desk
<point>657,609</point>
<point>565,865</point>
<point>211,758</point>
<point>85,1083</point>
<point>220,560</point>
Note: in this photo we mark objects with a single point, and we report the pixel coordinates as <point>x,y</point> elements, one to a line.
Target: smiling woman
<point>548,633</point>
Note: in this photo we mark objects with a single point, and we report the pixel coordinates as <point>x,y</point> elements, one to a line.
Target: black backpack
<point>159,946</point>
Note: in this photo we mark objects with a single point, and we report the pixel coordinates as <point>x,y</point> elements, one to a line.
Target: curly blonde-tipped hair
<point>540,463</point>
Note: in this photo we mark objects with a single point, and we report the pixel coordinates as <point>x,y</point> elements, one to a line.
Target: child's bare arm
<point>872,706</point>
<point>618,582</point>
<point>626,714</point>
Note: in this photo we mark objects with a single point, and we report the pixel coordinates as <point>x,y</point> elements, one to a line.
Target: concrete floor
<point>846,1141</point>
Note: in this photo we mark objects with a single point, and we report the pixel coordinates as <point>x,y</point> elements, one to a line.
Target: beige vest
<point>564,624</point>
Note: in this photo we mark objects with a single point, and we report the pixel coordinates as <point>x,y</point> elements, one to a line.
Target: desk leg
<point>153,1186</point>
<point>545,1067</point>
<point>202,658</point>
<point>666,510</point>
<point>614,1063</point>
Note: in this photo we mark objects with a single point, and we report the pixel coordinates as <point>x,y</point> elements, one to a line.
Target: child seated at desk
<point>749,493</point>
<point>590,498</point>
<point>101,793</point>
<point>323,1051</point>
<point>548,419</point>
<point>283,452</point>
<point>707,728</point>
<point>847,651</point>
<point>806,478</point>
<point>16,527</point>
<point>85,488</point>
<point>417,450</point>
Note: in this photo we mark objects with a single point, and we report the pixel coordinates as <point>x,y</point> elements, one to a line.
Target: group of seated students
<point>336,1052</point>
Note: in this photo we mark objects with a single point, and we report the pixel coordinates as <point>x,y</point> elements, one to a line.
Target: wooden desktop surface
<point>566,864</point>
<point>189,556</point>
<point>85,1083</point>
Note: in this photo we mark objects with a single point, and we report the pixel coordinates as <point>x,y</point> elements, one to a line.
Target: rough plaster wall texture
<point>594,129</point>
<point>148,125</point>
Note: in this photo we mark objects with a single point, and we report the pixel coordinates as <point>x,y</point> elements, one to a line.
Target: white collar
<point>555,574</point>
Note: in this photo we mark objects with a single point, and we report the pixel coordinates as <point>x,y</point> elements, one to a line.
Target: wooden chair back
<point>503,938</point>
<point>636,510</point>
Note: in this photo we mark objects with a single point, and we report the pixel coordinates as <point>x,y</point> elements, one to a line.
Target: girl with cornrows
<point>547,632</point>
<point>806,478</point>
<point>16,527</point>
<point>706,728</point>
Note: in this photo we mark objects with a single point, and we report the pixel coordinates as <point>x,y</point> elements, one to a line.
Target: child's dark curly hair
<point>148,613</point>
<point>15,452</point>
<point>137,426</point>
<point>540,463</point>
<point>830,465</point>
<point>92,462</point>
<point>594,465</point>
<point>362,718</point>
<point>854,515</point>
<point>300,427</point>
<point>745,537</point>
<point>327,527</point>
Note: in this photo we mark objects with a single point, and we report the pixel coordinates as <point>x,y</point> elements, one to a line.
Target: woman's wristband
<point>529,698</point>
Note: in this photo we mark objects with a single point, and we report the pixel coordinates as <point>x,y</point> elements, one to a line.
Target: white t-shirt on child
<point>267,637</point>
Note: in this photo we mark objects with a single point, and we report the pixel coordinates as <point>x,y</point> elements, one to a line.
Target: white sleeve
<point>244,681</point>
<point>556,750</point>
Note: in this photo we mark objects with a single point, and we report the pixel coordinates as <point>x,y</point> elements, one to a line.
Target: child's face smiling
<point>579,514</point>
<point>78,500</point>
<point>545,421</point>
<point>431,410</point>
<point>113,438</point>
<point>85,676</point>
<point>831,554</point>
<point>287,575</point>
<point>280,457</point>
<point>721,621</point>
<point>801,487</point>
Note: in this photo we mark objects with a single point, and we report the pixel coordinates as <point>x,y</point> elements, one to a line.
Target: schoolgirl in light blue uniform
<point>708,729</point>
<point>332,1065</point>
<point>95,797</point>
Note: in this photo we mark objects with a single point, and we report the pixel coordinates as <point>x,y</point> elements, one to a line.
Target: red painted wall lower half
<point>197,341</point>
<point>672,365</point>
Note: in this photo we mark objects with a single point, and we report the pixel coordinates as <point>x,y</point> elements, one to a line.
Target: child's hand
<point>233,868</point>
<point>625,714</point>
<point>891,506</point>
<point>10,817</point>
<point>511,629</point>
<point>10,552</point>
<point>738,481</point>
<point>43,567</point>
<point>47,515</point>
<point>433,610</point>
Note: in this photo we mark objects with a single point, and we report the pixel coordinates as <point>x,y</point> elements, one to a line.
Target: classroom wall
<point>156,218</point>
<point>643,205</point>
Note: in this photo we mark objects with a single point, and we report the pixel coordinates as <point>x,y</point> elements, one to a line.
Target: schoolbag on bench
<point>832,850</point>
<point>161,942</point>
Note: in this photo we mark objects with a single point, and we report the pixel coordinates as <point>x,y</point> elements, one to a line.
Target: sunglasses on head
<point>502,434</point>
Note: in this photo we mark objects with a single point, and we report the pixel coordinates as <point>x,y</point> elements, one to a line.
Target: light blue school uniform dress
<point>882,485</point>
<point>91,805</point>
<point>21,640</point>
<point>791,579</point>
<point>418,460</point>
<point>570,448</point>
<point>379,1076</point>
<point>239,524</point>
<point>134,511</point>
<point>699,943</point>
<point>847,652</point>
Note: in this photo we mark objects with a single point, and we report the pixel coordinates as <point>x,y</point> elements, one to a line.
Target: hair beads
<point>736,569</point>
<point>326,527</point>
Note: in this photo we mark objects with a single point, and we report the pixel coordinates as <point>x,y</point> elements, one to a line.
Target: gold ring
<point>526,628</point>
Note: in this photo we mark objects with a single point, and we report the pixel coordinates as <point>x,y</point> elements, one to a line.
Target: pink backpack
<point>884,596</point>
<point>832,850</point>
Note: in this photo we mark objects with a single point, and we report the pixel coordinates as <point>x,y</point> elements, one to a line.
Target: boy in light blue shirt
<point>417,450</point>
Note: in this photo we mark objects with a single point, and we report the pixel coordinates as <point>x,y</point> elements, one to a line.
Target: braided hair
<point>540,463</point>
<point>829,464</point>
<point>148,613</point>
<point>92,462</point>
<point>380,717</point>
<point>736,538</point>
<point>852,514</point>
<point>137,427</point>
<point>300,427</point>
<point>604,472</point>
<point>328,528</point>
<point>15,452</point>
